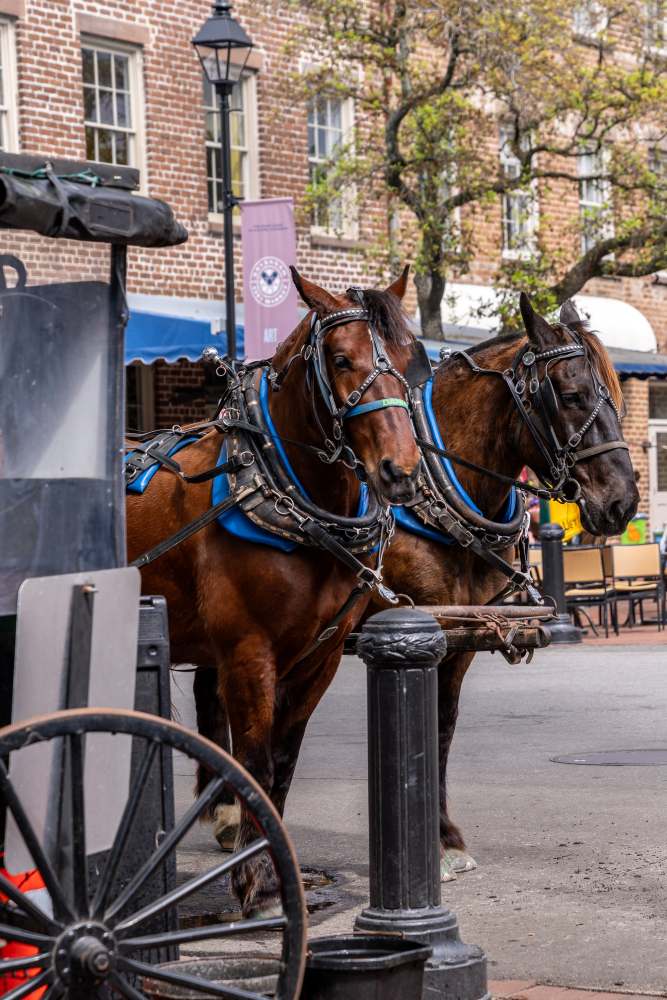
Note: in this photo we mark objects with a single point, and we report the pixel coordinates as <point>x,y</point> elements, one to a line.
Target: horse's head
<point>360,348</point>
<point>580,397</point>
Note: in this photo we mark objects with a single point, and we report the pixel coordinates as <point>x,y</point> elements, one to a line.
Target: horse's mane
<point>597,353</point>
<point>387,315</point>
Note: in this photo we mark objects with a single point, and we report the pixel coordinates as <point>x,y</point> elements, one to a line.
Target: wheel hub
<point>84,955</point>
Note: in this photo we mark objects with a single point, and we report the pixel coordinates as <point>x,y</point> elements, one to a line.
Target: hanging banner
<point>269,295</point>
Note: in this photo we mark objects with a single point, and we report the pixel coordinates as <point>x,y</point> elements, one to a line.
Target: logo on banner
<point>270,281</point>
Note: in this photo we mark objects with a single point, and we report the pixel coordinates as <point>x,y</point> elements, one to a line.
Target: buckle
<point>528,359</point>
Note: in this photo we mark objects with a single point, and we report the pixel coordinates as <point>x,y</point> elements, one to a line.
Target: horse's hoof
<point>459,861</point>
<point>271,906</point>
<point>226,820</point>
<point>447,873</point>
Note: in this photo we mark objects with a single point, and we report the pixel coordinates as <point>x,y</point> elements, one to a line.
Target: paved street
<point>572,876</point>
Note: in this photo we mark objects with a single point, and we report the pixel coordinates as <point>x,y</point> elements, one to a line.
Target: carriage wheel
<point>92,945</point>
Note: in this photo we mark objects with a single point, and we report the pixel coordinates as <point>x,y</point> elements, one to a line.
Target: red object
<point>26,882</point>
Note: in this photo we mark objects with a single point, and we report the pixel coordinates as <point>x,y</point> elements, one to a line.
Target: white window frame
<point>509,162</point>
<point>349,229</point>
<point>251,181</point>
<point>589,20</point>
<point>587,204</point>
<point>137,144</point>
<point>9,110</point>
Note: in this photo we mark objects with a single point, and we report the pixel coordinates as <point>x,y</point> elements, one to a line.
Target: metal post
<point>228,203</point>
<point>402,649</point>
<point>553,583</point>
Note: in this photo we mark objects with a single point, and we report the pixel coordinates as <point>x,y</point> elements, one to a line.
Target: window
<point>139,397</point>
<point>589,20</point>
<point>8,88</point>
<point>594,198</point>
<point>330,122</point>
<point>518,206</point>
<point>243,143</point>
<point>657,164</point>
<point>112,102</point>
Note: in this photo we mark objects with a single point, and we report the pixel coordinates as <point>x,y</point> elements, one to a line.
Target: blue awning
<point>153,337</point>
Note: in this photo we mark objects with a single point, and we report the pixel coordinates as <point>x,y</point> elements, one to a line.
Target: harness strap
<point>190,529</point>
<point>599,449</point>
<point>376,404</point>
<point>543,494</point>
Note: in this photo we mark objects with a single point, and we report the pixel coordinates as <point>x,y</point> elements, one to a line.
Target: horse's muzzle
<point>394,483</point>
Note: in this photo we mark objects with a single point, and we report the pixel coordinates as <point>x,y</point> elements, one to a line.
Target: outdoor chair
<point>586,585</point>
<point>636,576</point>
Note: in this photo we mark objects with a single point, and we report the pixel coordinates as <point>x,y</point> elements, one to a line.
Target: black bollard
<point>402,649</point>
<point>553,583</point>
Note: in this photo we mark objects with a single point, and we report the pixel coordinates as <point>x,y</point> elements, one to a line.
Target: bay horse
<point>254,612</point>
<point>478,420</point>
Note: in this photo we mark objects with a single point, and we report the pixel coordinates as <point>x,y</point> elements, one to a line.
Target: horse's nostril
<point>390,472</point>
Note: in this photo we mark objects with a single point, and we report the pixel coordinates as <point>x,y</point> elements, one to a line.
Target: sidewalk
<point>520,989</point>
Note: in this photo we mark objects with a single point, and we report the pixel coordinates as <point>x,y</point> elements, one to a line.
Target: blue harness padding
<point>409,521</point>
<point>141,482</point>
<point>234,520</point>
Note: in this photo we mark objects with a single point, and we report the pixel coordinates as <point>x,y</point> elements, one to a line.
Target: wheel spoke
<point>203,933</point>
<point>174,837</point>
<point>23,964</point>
<point>78,820</point>
<point>126,989</point>
<point>123,832</point>
<point>191,982</point>
<point>29,986</point>
<point>10,933</point>
<point>25,905</point>
<point>192,886</point>
<point>31,841</point>
<point>54,992</point>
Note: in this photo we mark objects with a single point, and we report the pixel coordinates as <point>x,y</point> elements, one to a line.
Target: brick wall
<point>50,119</point>
<point>635,430</point>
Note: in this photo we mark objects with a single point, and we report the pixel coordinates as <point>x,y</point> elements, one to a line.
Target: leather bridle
<point>535,400</point>
<point>335,445</point>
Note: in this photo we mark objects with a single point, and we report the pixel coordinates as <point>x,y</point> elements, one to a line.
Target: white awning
<point>617,322</point>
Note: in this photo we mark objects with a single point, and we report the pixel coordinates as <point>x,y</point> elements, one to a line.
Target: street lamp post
<point>223,48</point>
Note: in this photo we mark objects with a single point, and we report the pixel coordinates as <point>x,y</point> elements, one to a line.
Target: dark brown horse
<point>478,421</point>
<point>252,611</point>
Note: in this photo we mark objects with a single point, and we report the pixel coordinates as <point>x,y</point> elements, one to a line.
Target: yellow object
<point>567,515</point>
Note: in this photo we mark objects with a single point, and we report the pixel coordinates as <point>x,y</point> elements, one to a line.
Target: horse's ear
<point>398,287</point>
<point>315,297</point>
<point>568,314</point>
<point>539,332</point>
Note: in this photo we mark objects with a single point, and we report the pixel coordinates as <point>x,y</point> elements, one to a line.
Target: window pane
<point>212,126</point>
<point>89,109</point>
<point>2,131</point>
<point>312,150</point>
<point>88,59</point>
<point>122,148</point>
<point>212,205</point>
<point>90,144</point>
<point>106,107</point>
<point>105,147</point>
<point>335,115</point>
<point>121,66</point>
<point>237,129</point>
<point>236,100</point>
<point>237,173</point>
<point>322,144</point>
<point>209,93</point>
<point>104,69</point>
<point>122,110</point>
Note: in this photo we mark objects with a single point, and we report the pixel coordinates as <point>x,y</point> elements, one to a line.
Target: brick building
<point>118,80</point>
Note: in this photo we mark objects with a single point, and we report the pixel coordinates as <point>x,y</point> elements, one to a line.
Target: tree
<point>575,104</point>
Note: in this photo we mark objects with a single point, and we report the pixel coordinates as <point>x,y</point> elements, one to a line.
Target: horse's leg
<point>453,857</point>
<point>247,685</point>
<point>212,722</point>
<point>295,704</point>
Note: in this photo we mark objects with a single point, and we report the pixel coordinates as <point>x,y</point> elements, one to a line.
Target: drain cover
<point>615,758</point>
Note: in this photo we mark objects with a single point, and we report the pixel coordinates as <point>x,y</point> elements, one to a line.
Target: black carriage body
<point>61,426</point>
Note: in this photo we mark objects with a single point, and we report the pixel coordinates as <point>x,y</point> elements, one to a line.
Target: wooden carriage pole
<point>402,649</point>
<point>553,583</point>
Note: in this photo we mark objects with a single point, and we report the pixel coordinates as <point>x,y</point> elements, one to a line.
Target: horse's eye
<point>340,361</point>
<point>570,398</point>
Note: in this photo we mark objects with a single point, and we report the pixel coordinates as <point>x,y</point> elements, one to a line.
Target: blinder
<point>419,368</point>
<point>549,397</point>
